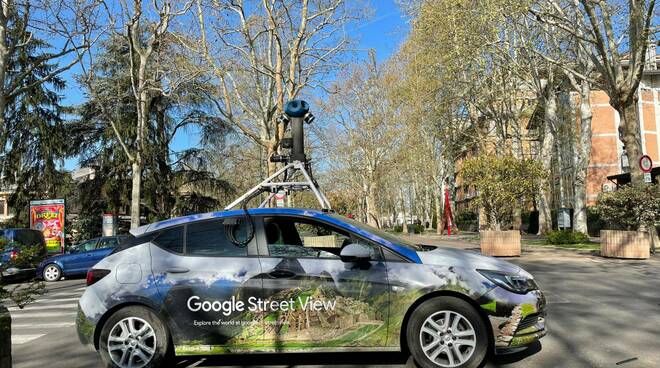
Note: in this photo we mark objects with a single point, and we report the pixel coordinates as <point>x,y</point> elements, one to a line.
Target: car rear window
<point>208,238</point>
<point>171,239</point>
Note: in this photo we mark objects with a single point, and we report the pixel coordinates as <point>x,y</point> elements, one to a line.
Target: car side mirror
<point>355,253</point>
<point>73,249</point>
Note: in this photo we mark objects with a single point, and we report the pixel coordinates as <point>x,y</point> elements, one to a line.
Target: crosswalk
<point>48,315</point>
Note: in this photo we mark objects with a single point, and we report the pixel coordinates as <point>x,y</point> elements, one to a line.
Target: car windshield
<point>380,233</point>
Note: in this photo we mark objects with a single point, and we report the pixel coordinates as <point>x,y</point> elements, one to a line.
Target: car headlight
<point>512,282</point>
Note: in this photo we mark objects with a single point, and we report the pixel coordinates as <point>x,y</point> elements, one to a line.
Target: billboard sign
<point>48,216</point>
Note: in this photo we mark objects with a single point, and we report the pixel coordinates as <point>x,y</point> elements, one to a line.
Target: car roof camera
<point>296,174</point>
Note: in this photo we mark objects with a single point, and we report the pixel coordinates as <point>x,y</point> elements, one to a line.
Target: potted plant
<point>501,186</point>
<point>630,214</point>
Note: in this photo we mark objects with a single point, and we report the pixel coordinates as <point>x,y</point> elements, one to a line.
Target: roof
<point>145,229</point>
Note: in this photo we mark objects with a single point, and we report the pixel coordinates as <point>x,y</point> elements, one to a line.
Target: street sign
<point>279,198</point>
<point>647,177</point>
<point>645,163</point>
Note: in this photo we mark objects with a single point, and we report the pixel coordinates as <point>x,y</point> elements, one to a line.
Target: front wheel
<point>447,332</point>
<point>134,337</point>
<point>52,273</point>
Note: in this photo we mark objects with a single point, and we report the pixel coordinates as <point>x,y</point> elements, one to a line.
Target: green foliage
<point>398,228</point>
<point>418,228</point>
<point>502,184</point>
<point>467,221</point>
<point>21,294</point>
<point>34,135</point>
<point>630,207</point>
<point>566,237</point>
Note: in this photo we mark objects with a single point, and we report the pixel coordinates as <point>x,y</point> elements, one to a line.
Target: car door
<point>205,280</point>
<point>76,262</point>
<point>314,300</point>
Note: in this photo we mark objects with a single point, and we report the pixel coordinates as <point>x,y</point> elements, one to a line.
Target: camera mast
<point>296,113</point>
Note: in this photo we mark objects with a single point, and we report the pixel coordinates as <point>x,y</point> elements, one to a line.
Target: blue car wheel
<point>52,273</point>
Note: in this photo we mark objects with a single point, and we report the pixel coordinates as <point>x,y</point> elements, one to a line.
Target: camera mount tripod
<point>296,113</point>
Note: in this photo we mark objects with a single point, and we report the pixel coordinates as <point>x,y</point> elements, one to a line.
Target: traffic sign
<point>279,198</point>
<point>645,163</point>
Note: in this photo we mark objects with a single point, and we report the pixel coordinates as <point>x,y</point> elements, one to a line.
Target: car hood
<point>442,256</point>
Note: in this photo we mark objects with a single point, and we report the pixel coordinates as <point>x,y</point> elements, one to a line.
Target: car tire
<point>432,342</point>
<point>128,337</point>
<point>51,273</point>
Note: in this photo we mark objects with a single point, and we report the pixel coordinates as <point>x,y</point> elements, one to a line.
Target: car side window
<point>88,245</point>
<point>209,238</point>
<point>107,243</point>
<point>291,237</point>
<point>171,239</point>
<point>374,250</point>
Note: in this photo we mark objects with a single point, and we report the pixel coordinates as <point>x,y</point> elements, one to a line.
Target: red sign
<point>48,217</point>
<point>645,163</point>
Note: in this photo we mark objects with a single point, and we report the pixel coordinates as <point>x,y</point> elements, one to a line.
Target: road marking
<point>82,288</point>
<point>22,339</point>
<point>57,300</point>
<point>66,293</point>
<point>43,325</point>
<point>42,315</point>
<point>43,307</point>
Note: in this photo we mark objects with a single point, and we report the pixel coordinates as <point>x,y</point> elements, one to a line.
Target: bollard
<point>5,337</point>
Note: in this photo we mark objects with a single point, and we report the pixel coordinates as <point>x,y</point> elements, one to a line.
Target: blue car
<point>300,280</point>
<point>79,259</point>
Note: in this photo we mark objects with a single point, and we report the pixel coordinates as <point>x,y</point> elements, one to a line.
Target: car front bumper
<point>516,319</point>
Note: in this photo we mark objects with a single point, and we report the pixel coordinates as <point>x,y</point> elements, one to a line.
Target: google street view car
<point>300,280</point>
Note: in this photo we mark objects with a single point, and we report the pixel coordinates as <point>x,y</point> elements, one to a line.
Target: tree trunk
<point>438,211</point>
<point>547,144</point>
<point>136,169</point>
<point>403,212</point>
<point>583,156</point>
<point>629,132</point>
<point>372,210</point>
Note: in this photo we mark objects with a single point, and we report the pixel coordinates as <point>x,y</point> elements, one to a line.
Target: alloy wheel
<point>447,338</point>
<point>52,273</point>
<point>132,343</point>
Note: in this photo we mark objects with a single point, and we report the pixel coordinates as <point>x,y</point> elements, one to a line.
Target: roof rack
<point>272,186</point>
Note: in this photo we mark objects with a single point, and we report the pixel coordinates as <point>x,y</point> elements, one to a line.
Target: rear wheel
<point>52,273</point>
<point>134,337</point>
<point>447,332</point>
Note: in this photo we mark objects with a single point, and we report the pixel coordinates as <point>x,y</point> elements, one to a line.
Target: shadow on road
<point>381,359</point>
<point>295,359</point>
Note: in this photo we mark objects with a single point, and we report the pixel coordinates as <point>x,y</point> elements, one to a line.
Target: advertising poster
<point>47,216</point>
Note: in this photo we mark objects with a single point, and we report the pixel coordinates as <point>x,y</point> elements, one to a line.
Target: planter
<point>625,244</point>
<point>5,338</point>
<point>500,243</point>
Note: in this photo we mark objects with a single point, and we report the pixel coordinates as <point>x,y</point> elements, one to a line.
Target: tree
<point>619,71</point>
<point>150,76</point>
<point>24,25</point>
<point>367,135</point>
<point>173,182</point>
<point>501,184</point>
<point>265,53</point>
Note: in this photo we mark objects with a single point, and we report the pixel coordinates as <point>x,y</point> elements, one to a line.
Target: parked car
<point>79,258</point>
<point>10,250</point>
<point>296,280</point>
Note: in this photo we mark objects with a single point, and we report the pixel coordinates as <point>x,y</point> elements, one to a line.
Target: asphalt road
<point>601,312</point>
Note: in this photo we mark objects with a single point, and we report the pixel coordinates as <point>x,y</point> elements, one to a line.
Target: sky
<point>383,31</point>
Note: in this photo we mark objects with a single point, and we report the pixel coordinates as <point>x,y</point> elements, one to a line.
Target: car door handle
<point>281,274</point>
<point>177,270</point>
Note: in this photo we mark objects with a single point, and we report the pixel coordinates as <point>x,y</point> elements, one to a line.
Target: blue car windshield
<point>380,233</point>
